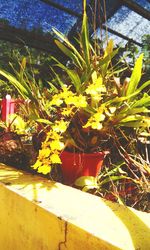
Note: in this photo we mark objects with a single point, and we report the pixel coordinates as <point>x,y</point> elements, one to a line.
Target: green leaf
<point>113,171</point>
<point>45,121</point>
<point>86,181</point>
<point>85,36</point>
<point>136,121</point>
<point>24,91</point>
<point>143,102</point>
<point>143,86</point>
<point>135,77</point>
<point>109,53</point>
<point>117,71</point>
<point>120,200</point>
<point>72,74</point>
<point>137,110</point>
<point>75,79</point>
<point>68,52</point>
<point>113,178</point>
<point>53,87</point>
<point>135,124</point>
<point>132,118</point>
<point>22,68</point>
<point>58,80</point>
<point>125,98</point>
<point>23,63</point>
<point>110,46</point>
<point>107,59</point>
<point>87,188</point>
<point>64,39</point>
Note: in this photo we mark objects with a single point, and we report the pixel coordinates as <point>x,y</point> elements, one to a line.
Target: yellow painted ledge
<point>37,214</point>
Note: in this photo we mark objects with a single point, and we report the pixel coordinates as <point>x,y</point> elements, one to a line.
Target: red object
<point>8,106</point>
<point>75,165</point>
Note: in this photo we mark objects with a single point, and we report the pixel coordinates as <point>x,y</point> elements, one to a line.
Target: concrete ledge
<point>39,214</point>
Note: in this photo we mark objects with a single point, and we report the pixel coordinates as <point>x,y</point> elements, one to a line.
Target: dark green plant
<point>11,56</point>
<point>130,53</point>
<point>146,51</point>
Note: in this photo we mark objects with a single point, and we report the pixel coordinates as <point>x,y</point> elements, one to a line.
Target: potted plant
<point>12,148</point>
<point>88,108</point>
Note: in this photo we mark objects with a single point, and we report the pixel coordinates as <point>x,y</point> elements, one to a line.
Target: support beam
<point>61,7</point>
<point>137,8</point>
<point>31,39</point>
<point>114,32</point>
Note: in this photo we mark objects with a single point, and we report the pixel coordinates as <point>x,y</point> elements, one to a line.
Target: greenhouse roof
<point>29,21</point>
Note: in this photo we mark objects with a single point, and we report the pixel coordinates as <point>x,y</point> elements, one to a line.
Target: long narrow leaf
<point>113,178</point>
<point>72,74</point>
<point>107,59</point>
<point>144,101</point>
<point>108,53</point>
<point>45,121</point>
<point>144,85</point>
<point>135,77</point>
<point>64,39</point>
<point>24,92</point>
<point>68,52</point>
<point>22,69</point>
<point>136,124</point>
<point>58,80</point>
<point>85,36</point>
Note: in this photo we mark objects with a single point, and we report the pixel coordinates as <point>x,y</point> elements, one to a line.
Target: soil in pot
<point>12,151</point>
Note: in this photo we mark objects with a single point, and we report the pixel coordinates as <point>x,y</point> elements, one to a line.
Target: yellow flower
<point>66,92</point>
<point>97,125</point>
<point>93,124</point>
<point>94,76</point>
<point>96,87</point>
<point>81,101</point>
<point>60,126</point>
<point>55,158</point>
<point>53,135</point>
<point>56,145</point>
<point>95,121</point>
<point>37,164</point>
<point>78,101</point>
<point>57,100</point>
<point>44,153</point>
<point>99,117</point>
<point>44,169</point>
<point>67,111</point>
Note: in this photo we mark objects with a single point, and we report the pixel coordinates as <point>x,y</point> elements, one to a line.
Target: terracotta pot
<point>75,165</point>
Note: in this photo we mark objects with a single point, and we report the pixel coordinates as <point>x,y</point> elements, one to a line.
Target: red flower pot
<point>75,165</point>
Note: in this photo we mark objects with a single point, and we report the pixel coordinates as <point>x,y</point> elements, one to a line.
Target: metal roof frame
<point>46,43</point>
<point>137,8</point>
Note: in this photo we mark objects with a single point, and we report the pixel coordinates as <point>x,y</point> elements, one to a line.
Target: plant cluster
<point>89,108</point>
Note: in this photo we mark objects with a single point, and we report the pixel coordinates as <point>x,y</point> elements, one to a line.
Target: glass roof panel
<point>39,15</point>
<point>129,23</point>
<point>35,14</point>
